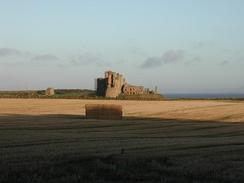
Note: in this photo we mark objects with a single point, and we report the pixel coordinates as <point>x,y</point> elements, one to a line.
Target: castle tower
<point>114,84</point>
<point>109,77</point>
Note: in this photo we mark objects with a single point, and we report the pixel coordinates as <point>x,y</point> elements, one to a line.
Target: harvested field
<point>200,110</point>
<point>45,140</point>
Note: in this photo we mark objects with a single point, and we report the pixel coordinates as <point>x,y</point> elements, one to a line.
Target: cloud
<point>4,52</point>
<point>170,56</point>
<point>45,57</point>
<point>173,56</point>
<point>198,44</point>
<point>46,60</point>
<point>151,62</point>
<point>225,62</point>
<point>88,59</point>
<point>193,60</point>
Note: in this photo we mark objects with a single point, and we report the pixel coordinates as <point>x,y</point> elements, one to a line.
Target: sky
<point>186,46</point>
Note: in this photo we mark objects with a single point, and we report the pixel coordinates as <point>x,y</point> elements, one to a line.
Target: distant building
<point>113,84</point>
<point>50,92</point>
<point>132,90</point>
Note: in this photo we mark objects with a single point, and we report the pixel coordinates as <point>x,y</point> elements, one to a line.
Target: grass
<point>73,94</point>
<point>59,93</point>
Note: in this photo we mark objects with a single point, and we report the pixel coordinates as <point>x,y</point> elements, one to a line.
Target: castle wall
<point>50,92</point>
<point>112,92</point>
<point>101,86</point>
<point>133,90</point>
<point>114,84</point>
<point>111,85</point>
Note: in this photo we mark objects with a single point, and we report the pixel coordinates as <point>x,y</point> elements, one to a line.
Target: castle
<point>114,84</point>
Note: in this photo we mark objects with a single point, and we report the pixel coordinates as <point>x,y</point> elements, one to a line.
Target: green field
<point>74,94</point>
<point>59,93</point>
<point>70,148</point>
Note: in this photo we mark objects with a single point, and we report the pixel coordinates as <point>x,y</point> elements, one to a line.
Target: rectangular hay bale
<point>103,111</point>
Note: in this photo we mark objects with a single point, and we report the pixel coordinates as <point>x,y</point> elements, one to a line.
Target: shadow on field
<point>50,148</point>
<point>65,117</point>
<point>42,116</point>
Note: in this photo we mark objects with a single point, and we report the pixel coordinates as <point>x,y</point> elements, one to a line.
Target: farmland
<point>50,140</point>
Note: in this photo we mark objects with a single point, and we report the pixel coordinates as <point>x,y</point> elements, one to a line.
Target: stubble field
<point>48,140</point>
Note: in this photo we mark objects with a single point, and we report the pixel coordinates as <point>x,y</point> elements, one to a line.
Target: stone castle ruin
<point>50,92</point>
<point>113,84</point>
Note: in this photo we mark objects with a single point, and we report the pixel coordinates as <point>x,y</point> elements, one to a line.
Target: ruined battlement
<point>113,84</point>
<point>110,85</point>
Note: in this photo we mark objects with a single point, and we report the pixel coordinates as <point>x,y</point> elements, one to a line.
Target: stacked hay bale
<point>104,111</point>
<point>50,92</point>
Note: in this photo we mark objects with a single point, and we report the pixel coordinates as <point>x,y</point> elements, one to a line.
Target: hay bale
<point>50,92</point>
<point>103,111</point>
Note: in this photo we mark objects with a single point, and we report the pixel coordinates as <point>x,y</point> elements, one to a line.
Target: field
<point>49,140</point>
<point>74,94</point>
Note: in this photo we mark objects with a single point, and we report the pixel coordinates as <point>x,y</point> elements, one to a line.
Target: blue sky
<point>190,46</point>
